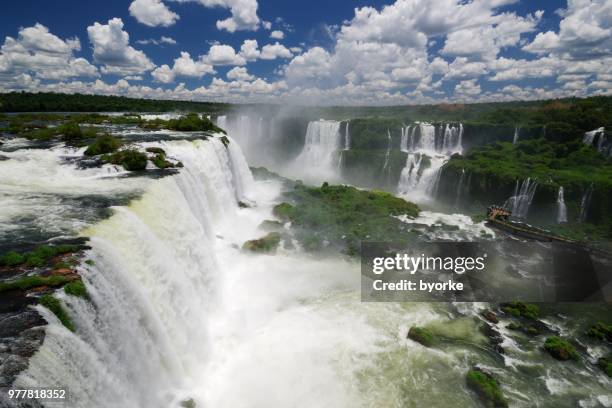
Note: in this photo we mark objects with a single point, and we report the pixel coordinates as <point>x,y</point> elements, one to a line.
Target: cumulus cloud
<point>274,51</point>
<point>36,54</point>
<point>221,54</point>
<point>239,74</point>
<point>183,66</point>
<point>277,35</point>
<point>244,13</point>
<point>249,50</point>
<point>112,49</point>
<point>585,30</point>
<point>152,13</point>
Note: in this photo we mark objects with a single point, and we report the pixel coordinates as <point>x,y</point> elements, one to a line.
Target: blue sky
<point>320,52</point>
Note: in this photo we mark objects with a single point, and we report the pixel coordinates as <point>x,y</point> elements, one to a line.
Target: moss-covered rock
<point>271,225</point>
<point>605,363</point>
<point>102,145</point>
<point>421,335</point>
<point>55,306</point>
<point>341,217</point>
<point>487,388</point>
<point>155,150</point>
<point>600,331</point>
<point>76,288</point>
<point>36,258</point>
<point>520,309</point>
<point>268,243</point>
<point>160,161</point>
<point>560,349</point>
<point>130,159</point>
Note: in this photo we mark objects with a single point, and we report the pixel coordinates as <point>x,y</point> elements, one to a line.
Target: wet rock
<point>10,369</point>
<point>560,349</point>
<point>487,387</point>
<point>421,335</point>
<point>28,342</point>
<point>494,336</point>
<point>600,331</point>
<point>490,316</point>
<point>268,243</point>
<point>12,324</point>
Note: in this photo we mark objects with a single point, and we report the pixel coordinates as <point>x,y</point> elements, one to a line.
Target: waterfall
<point>561,208</point>
<point>589,137</point>
<point>520,201</point>
<point>150,284</point>
<point>584,203</point>
<point>257,136</point>
<point>428,149</point>
<point>460,188</point>
<point>347,136</point>
<point>517,130</point>
<point>388,152</point>
<point>222,121</point>
<point>319,158</point>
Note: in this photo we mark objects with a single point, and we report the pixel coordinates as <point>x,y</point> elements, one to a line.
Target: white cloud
<point>585,30</point>
<point>152,13</point>
<point>39,52</point>
<point>221,54</point>
<point>111,48</point>
<point>244,13</point>
<point>249,50</point>
<point>183,66</point>
<point>273,51</point>
<point>239,74</point>
<point>266,25</point>
<point>467,88</point>
<point>162,40</point>
<point>277,35</point>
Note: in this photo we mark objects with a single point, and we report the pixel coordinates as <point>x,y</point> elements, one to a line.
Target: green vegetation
<point>102,145</point>
<point>600,331</point>
<point>344,216</point>
<point>55,306</point>
<point>192,123</point>
<point>155,150</point>
<point>520,309</point>
<point>560,349</point>
<point>30,282</point>
<point>130,159</point>
<point>271,225</point>
<point>76,288</point>
<point>160,161</point>
<point>571,164</point>
<point>57,102</point>
<point>421,335</point>
<point>38,257</point>
<point>605,363</point>
<point>487,388</point>
<point>268,243</point>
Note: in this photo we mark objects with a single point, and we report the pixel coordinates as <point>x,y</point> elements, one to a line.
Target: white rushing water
<point>517,131</point>
<point>347,136</point>
<point>428,148</point>
<point>319,158</point>
<point>520,201</point>
<point>179,312</point>
<point>561,208</point>
<point>257,136</point>
<point>585,201</point>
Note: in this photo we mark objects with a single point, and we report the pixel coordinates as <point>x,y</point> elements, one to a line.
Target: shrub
<point>267,243</point>
<point>102,145</point>
<point>12,259</point>
<point>130,159</point>
<point>70,130</point>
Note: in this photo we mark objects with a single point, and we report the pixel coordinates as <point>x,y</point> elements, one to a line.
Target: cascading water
<point>517,130</point>
<point>387,153</point>
<point>347,136</point>
<point>428,149</point>
<point>561,208</point>
<point>256,134</point>
<point>520,201</point>
<point>589,137</point>
<point>584,204</point>
<point>319,158</point>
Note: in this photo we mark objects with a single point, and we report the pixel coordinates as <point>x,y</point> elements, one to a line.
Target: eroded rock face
<point>21,334</point>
